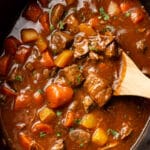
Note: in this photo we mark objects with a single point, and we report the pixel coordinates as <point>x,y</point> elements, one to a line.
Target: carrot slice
<point>42,43</point>
<point>126,5</point>
<point>22,54</point>
<point>6,89</point>
<point>37,128</point>
<point>38,97</point>
<point>4,64</point>
<point>44,20</point>
<point>22,101</point>
<point>47,60</point>
<point>58,95</point>
<point>69,119</point>
<point>32,12</point>
<point>11,45</point>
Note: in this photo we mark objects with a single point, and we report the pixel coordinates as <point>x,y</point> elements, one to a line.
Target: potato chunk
<point>89,121</point>
<point>99,137</point>
<point>46,114</point>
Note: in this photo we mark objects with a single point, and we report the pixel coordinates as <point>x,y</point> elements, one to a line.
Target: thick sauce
<point>57,73</point>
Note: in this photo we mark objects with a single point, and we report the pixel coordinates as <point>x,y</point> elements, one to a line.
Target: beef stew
<point>58,71</point>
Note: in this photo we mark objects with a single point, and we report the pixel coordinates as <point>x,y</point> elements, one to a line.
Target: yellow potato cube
<point>99,137</point>
<point>46,115</point>
<point>89,121</point>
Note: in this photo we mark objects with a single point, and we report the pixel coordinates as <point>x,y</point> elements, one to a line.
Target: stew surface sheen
<point>58,70</point>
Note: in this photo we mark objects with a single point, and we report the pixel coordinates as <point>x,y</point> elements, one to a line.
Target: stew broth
<point>58,70</point>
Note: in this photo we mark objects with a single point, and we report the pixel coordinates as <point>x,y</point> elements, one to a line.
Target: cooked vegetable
<point>44,3</point>
<point>47,60</point>
<point>29,35</point>
<point>87,29</point>
<point>69,119</point>
<point>104,15</point>
<point>126,5</point>
<point>11,45</point>
<point>4,64</point>
<point>69,2</point>
<point>22,101</point>
<point>58,95</point>
<point>64,58</point>
<point>42,43</point>
<point>46,115</point>
<point>38,127</point>
<point>89,121</point>
<point>99,137</point>
<point>38,97</point>
<point>44,20</point>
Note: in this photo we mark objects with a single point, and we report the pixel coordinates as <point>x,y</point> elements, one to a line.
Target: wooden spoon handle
<point>132,81</point>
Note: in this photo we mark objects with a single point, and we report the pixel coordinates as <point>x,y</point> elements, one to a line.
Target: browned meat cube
<point>32,12</point>
<point>73,75</point>
<point>72,23</point>
<point>59,41</point>
<point>99,89</point>
<point>79,135</point>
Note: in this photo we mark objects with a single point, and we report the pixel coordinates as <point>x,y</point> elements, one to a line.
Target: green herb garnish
<point>58,113</point>
<point>104,15</point>
<point>82,145</point>
<point>114,133</point>
<point>127,14</point>
<point>40,91</point>
<point>52,27</point>
<point>61,25</point>
<point>77,121</point>
<point>19,78</point>
<point>92,48</point>
<point>79,79</point>
<point>58,134</point>
<point>42,134</point>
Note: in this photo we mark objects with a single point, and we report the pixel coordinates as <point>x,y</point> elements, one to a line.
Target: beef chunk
<point>87,103</point>
<point>60,40</point>
<point>80,47</point>
<point>59,145</point>
<point>79,135</point>
<point>98,88</point>
<point>73,75</point>
<point>72,24</point>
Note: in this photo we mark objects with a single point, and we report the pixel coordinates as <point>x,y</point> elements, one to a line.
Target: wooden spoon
<point>131,80</point>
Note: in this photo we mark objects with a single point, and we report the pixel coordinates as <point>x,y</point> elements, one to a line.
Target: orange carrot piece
<point>47,60</point>
<point>4,64</point>
<point>42,43</point>
<point>41,127</point>
<point>58,95</point>
<point>25,141</point>
<point>22,101</point>
<point>32,12</point>
<point>69,119</point>
<point>6,89</point>
<point>22,54</point>
<point>94,22</point>
<point>11,45</point>
<point>38,98</point>
<point>44,20</point>
<point>126,5</point>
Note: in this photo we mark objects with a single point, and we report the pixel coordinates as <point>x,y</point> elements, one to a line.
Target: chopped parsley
<point>104,15</point>
<point>19,78</point>
<point>58,134</point>
<point>77,121</point>
<point>58,113</point>
<point>81,144</point>
<point>42,134</point>
<point>114,133</point>
<point>52,27</point>
<point>108,28</point>
<point>127,14</point>
<point>61,25</point>
<point>40,91</point>
<point>79,79</point>
<point>92,48</point>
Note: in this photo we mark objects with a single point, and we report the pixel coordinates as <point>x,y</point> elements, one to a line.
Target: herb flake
<point>42,134</point>
<point>58,134</point>
<point>58,113</point>
<point>104,15</point>
<point>61,25</point>
<point>19,78</point>
<point>52,28</point>
<point>114,133</point>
